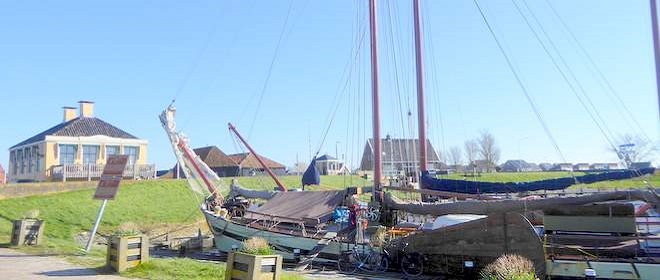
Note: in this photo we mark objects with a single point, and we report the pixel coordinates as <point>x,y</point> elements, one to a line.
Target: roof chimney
<point>69,113</point>
<point>86,109</point>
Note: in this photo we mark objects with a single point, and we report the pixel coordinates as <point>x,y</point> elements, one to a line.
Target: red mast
<point>373,28</point>
<point>421,114</point>
<point>270,172</point>
<point>656,46</point>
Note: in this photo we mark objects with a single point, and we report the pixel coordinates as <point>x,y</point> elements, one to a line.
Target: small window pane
<point>111,151</point>
<point>90,154</point>
<point>68,154</point>
<point>132,153</point>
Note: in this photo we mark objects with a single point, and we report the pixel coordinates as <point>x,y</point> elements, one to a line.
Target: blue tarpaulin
<point>472,187</point>
<point>311,175</point>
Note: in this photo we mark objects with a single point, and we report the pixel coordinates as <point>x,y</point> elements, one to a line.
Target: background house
<point>546,166</point>
<point>329,165</point>
<point>400,157</point>
<point>581,167</point>
<point>480,166</point>
<point>248,165</point>
<point>218,161</point>
<point>224,165</point>
<point>604,166</point>
<point>641,165</point>
<point>519,165</point>
<point>562,167</point>
<point>76,148</point>
<point>2,175</point>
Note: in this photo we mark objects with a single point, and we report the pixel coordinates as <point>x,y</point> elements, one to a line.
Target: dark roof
<point>519,164</point>
<point>248,160</point>
<point>214,157</point>
<point>326,157</point>
<point>397,150</point>
<point>81,126</point>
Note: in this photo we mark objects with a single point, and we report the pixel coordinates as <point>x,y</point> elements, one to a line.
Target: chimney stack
<point>86,109</point>
<point>69,113</point>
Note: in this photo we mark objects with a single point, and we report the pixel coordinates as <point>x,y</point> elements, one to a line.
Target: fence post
<point>89,172</point>
<point>63,172</point>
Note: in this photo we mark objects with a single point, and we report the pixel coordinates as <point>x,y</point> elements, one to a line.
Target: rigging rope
<point>602,127</point>
<point>521,85</point>
<point>270,68</point>
<point>598,72</point>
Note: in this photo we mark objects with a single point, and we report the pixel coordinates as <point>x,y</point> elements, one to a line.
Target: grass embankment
<point>161,204</point>
<point>653,180</point>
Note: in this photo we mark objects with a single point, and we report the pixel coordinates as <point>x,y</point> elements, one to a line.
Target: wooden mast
<point>263,164</point>
<point>656,46</point>
<point>421,112</point>
<point>375,98</point>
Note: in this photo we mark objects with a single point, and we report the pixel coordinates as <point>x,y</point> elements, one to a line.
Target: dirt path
<point>16,265</point>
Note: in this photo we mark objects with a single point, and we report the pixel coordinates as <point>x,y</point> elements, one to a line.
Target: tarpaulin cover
<point>472,187</point>
<point>310,207</point>
<point>311,175</point>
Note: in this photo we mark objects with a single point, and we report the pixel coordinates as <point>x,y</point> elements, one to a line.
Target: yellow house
<point>77,148</point>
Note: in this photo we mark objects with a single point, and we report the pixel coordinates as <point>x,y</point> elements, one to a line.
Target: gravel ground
<point>16,265</point>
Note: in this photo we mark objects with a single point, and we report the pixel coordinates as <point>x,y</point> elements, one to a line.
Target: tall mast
<point>263,164</point>
<point>373,27</point>
<point>656,46</point>
<point>419,67</point>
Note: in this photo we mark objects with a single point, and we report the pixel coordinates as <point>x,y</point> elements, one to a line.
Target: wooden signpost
<point>107,188</point>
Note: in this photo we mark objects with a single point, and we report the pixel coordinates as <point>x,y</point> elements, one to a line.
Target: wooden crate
<point>27,232</point>
<point>242,266</point>
<point>127,251</point>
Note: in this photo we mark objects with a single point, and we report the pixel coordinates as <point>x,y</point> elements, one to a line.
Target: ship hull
<point>229,235</point>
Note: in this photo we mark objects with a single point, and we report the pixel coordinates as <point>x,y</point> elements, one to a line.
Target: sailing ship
<point>297,222</point>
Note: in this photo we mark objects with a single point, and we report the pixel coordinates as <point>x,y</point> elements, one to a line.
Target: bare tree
<point>471,149</point>
<point>455,156</point>
<point>488,150</point>
<point>634,148</point>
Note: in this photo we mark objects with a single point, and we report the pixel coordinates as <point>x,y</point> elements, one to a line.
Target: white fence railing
<point>94,171</point>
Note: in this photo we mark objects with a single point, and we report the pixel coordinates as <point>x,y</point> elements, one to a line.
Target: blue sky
<point>133,57</point>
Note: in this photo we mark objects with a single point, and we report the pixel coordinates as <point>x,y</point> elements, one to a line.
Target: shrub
<point>509,267</point>
<point>256,246</point>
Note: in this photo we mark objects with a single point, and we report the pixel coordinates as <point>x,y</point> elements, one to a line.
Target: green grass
<point>164,203</point>
<point>161,269</point>
<point>169,203</point>
<point>68,214</point>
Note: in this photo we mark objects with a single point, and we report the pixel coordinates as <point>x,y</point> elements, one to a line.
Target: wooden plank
<point>602,224</point>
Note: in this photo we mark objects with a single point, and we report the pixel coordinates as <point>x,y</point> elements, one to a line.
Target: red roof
<point>248,160</point>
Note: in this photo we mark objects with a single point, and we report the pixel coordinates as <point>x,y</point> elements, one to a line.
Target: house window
<point>111,151</point>
<point>68,154</point>
<point>28,154</point>
<point>37,158</point>
<point>132,153</point>
<point>90,154</point>
<point>19,156</point>
<point>14,166</point>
